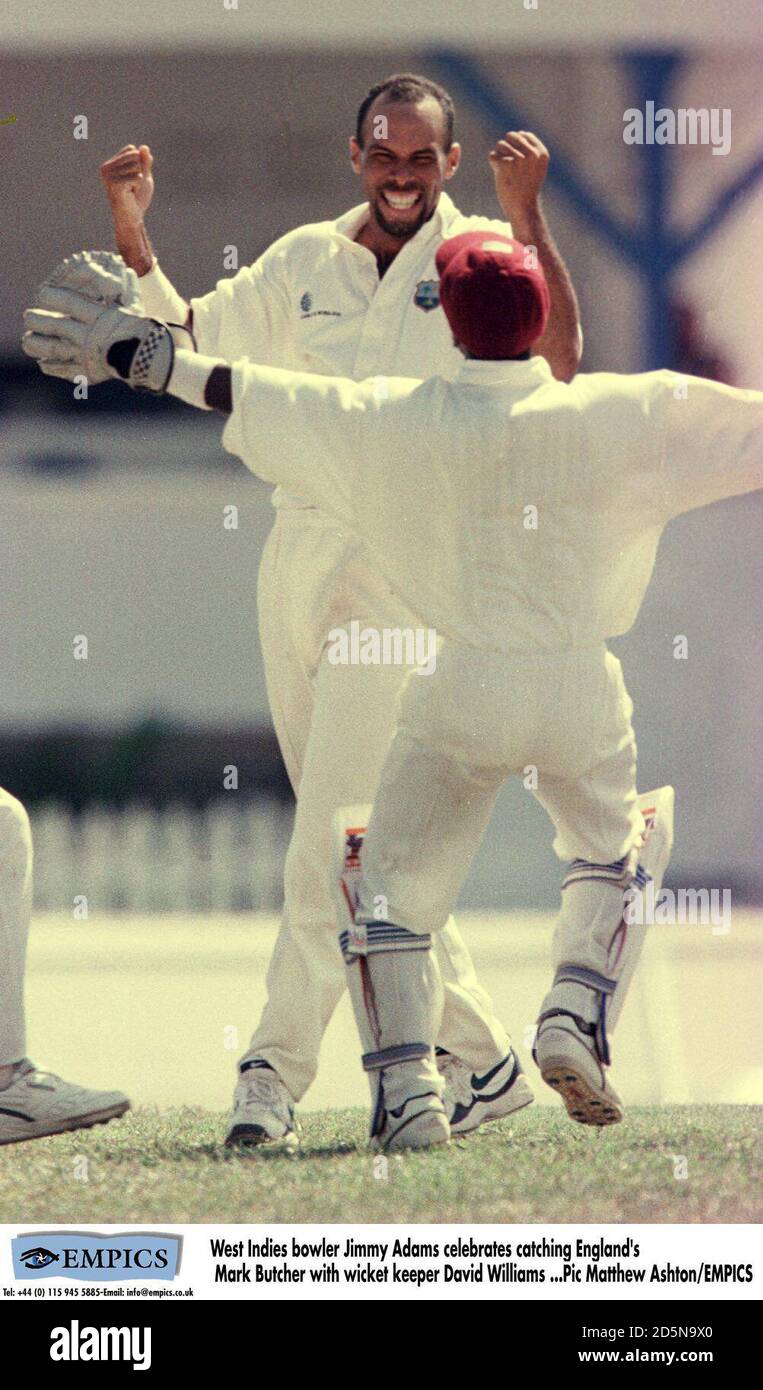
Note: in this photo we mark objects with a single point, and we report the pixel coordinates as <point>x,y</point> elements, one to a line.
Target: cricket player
<point>354,297</point>
<point>33,1103</point>
<point>437,477</point>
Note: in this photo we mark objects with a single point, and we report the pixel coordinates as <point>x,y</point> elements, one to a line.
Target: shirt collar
<point>349,223</point>
<point>524,375</point>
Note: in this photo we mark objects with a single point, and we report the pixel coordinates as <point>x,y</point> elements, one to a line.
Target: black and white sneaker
<point>471,1100</point>
<point>409,1111</point>
<point>263,1112</point>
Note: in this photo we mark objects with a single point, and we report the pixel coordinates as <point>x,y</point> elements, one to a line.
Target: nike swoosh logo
<point>398,1111</point>
<point>479,1081</point>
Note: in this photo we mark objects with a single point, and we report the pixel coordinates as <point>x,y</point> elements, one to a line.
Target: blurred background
<point>112,508</point>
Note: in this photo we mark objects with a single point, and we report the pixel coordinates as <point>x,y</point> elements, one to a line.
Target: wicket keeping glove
<point>88,322</point>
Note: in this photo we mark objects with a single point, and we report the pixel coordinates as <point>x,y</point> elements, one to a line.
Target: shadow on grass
<point>260,1153</point>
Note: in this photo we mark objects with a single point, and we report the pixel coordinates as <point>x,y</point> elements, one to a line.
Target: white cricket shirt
<point>509,510</point>
<point>314,302</point>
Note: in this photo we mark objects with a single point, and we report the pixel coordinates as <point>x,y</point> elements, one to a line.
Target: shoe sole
<point>520,1099</point>
<point>584,1103</point>
<point>255,1137</point>
<point>97,1117</point>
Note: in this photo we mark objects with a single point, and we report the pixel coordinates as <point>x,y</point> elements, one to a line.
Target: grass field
<point>162,1006</point>
<point>171,1167</point>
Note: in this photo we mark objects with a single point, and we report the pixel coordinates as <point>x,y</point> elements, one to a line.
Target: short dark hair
<point>408,86</point>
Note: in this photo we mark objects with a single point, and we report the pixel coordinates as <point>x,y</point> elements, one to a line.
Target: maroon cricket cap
<point>494,293</point>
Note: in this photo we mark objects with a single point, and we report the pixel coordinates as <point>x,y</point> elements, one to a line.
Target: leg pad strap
<point>391,1056</point>
<point>595,1025</point>
<point>581,975</point>
<point>368,938</point>
<point>621,873</point>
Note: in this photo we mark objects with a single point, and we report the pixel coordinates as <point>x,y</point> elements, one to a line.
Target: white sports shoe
<point>570,1065</point>
<point>37,1103</point>
<point>471,1100</point>
<point>412,1127</point>
<point>408,1111</point>
<point>263,1113</point>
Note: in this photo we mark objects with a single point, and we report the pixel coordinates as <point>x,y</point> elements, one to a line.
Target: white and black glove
<point>88,322</point>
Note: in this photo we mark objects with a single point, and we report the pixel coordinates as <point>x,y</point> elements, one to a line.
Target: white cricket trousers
<point>561,718</point>
<point>15,912</point>
<point>334,724</point>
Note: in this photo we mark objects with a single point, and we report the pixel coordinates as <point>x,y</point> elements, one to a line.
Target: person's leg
<point>428,819</point>
<point>616,842</point>
<point>33,1104</point>
<point>408,884</point>
<point>306,979</point>
<point>264,1096</point>
<point>15,912</point>
<point>335,724</point>
<point>396,995</point>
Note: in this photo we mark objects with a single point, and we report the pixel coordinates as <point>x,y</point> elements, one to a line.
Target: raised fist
<point>129,182</point>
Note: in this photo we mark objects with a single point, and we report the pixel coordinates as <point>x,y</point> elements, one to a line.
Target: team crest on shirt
<point>427,294</point>
<point>306,302</point>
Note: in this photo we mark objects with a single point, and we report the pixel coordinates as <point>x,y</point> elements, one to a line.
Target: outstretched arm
<point>519,162</point>
<point>710,438</point>
<point>297,430</point>
<point>290,428</point>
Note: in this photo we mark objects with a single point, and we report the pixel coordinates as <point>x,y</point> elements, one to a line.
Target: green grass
<point>171,1167</point>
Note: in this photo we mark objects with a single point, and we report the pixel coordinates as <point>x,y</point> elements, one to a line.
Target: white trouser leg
<point>427,822</point>
<point>469,1027</point>
<point>15,913</point>
<point>334,726</point>
<point>598,821</point>
<point>306,978</point>
<point>600,826</point>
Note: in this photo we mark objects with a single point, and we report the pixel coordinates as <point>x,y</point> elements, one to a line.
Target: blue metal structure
<point>653,249</point>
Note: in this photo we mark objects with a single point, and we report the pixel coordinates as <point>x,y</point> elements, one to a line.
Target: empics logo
<point>87,1255</point>
<point>75,1343</point>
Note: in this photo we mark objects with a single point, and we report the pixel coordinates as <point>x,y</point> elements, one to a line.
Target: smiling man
<point>355,297</point>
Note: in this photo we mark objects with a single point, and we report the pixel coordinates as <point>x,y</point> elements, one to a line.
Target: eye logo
<point>39,1258</point>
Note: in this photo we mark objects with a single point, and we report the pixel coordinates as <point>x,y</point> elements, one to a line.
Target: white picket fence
<point>226,858</point>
